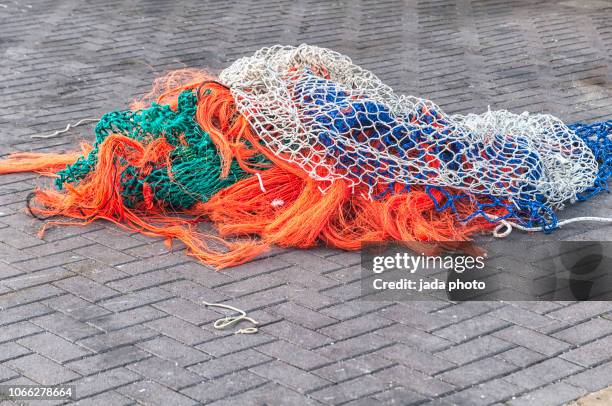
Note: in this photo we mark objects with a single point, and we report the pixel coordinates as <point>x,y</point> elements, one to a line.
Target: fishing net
<point>315,108</point>
<point>298,145</point>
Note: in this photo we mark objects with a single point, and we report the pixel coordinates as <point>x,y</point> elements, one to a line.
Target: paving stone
<point>257,267</point>
<point>37,278</point>
<point>143,281</point>
<point>200,274</point>
<point>18,239</point>
<point>591,354</point>
<point>65,326</point>
<point>151,264</point>
<point>154,394</point>
<point>349,390</point>
<point>293,355</point>
<point>250,285</point>
<point>86,288</point>
<point>354,346</point>
<point>415,359</point>
<point>542,373</point>
<point>194,292</point>
<point>54,247</point>
<point>356,326</point>
<point>477,372</point>
<point>587,331</point>
<point>165,372</point>
<point>112,238</point>
<point>346,274</point>
<point>104,382</point>
<point>308,298</point>
<point>235,342</point>
<point>118,338</point>
<point>42,370</point>
<point>8,271</point>
<point>229,363</point>
<point>95,270</point>
<point>592,379</point>
<point>188,311</point>
<point>116,321</point>
<point>136,299</point>
<point>21,313</point>
<point>12,350</point>
<point>107,398</point>
<point>554,394</point>
<point>302,315</point>
<point>526,318</point>
<point>352,309</point>
<point>76,307</point>
<point>29,295</point>
<point>309,261</point>
<point>474,349</point>
<point>418,319</point>
<point>414,337</point>
<point>104,254</point>
<point>271,394</point>
<point>53,347</point>
<point>180,330</point>
<point>300,276</point>
<point>521,356</point>
<point>414,380</point>
<point>225,386</point>
<point>354,367</point>
<point>580,311</point>
<point>299,335</point>
<point>468,310</point>
<point>7,373</point>
<point>17,330</point>
<point>290,376</point>
<point>471,328</point>
<point>174,351</point>
<point>49,261</point>
<point>11,255</point>
<point>107,360</point>
<point>483,394</point>
<point>532,340</point>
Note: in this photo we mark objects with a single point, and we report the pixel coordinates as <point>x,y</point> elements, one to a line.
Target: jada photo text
<point>460,271</point>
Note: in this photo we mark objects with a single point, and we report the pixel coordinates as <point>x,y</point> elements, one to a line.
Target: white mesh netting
<point>335,120</point>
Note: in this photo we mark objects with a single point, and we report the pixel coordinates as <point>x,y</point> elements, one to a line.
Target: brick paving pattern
<point>121,316</point>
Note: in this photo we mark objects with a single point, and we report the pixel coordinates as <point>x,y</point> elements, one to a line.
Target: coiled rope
<point>229,321</point>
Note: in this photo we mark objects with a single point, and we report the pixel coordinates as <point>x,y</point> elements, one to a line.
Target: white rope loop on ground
<point>228,321</point>
<point>68,127</point>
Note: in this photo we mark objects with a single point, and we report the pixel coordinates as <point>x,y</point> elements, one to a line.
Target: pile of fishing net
<point>296,146</point>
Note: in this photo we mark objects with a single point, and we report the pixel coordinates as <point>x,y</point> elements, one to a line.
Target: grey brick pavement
<point>121,315</point>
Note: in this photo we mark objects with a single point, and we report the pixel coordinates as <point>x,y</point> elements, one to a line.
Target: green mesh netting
<point>196,166</point>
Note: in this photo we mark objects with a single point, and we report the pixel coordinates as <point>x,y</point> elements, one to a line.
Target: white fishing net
<point>315,108</point>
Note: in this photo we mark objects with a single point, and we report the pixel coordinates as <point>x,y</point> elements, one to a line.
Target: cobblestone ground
<point>120,317</point>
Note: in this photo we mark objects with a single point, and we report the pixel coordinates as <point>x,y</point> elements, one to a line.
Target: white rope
<point>508,226</point>
<point>228,321</point>
<point>68,127</point>
<point>261,185</point>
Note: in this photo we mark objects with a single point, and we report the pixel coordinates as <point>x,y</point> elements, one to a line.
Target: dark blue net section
<point>598,137</point>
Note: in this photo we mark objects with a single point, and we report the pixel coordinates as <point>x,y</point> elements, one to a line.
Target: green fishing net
<point>195,163</point>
